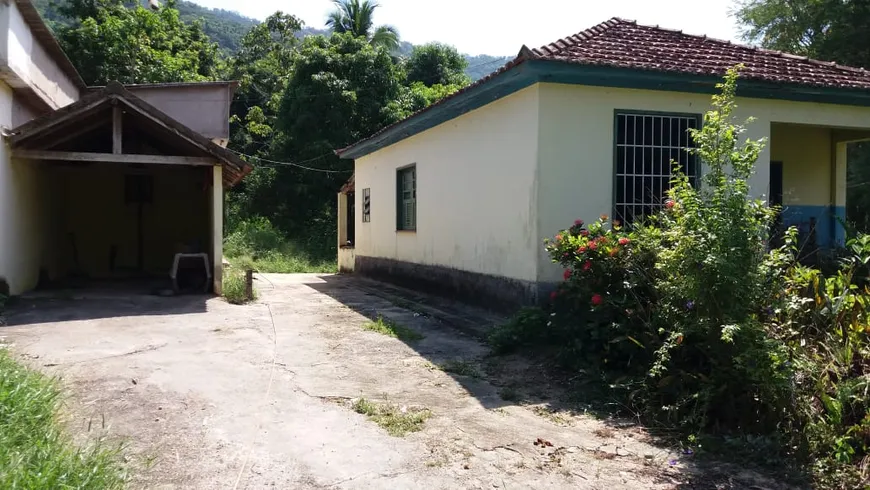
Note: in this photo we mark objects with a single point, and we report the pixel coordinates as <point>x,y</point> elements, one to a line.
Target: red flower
<point>567,274</point>
<point>616,222</point>
<point>624,241</point>
<point>558,238</point>
<point>604,217</point>
<point>593,245</point>
<point>670,204</point>
<point>585,232</point>
<point>554,294</point>
<point>614,251</point>
<point>587,265</point>
<point>582,249</point>
<point>578,222</point>
<point>597,299</point>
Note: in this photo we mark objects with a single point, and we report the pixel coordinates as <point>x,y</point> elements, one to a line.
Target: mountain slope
<point>224,27</point>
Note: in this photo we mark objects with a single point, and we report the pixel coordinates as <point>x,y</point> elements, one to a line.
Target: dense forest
<point>227,28</point>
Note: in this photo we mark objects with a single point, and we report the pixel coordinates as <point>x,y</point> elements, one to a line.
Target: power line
<point>294,164</point>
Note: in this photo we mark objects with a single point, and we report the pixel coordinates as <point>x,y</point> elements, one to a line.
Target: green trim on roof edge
<point>539,71</point>
<point>501,85</point>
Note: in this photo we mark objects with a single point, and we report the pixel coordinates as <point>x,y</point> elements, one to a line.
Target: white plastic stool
<point>173,273</point>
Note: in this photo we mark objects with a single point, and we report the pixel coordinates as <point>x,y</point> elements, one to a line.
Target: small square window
<point>406,198</point>
<point>367,205</point>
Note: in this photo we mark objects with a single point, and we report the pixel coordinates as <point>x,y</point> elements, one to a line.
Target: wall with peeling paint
<point>476,188</point>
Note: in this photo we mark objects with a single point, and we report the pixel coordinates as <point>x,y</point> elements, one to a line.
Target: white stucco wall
<point>202,108</point>
<point>28,60</point>
<point>576,145</point>
<point>492,183</point>
<point>476,188</point>
<point>23,212</point>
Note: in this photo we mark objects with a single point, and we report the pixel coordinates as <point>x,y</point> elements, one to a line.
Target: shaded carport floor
<point>208,395</point>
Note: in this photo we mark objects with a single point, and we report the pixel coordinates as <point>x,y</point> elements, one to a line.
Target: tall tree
<point>831,30</point>
<point>106,40</point>
<point>262,66</point>
<point>341,89</point>
<point>357,17</point>
<point>437,64</point>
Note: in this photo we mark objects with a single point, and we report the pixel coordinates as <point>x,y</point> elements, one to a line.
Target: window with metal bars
<point>646,145</point>
<point>367,205</point>
<point>406,198</point>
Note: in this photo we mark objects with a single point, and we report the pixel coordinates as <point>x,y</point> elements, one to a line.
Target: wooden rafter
<point>36,138</point>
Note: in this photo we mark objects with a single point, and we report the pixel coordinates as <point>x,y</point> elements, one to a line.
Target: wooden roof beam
<point>77,156</point>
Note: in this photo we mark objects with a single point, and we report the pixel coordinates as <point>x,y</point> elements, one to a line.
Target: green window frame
<point>406,198</point>
<point>644,145</point>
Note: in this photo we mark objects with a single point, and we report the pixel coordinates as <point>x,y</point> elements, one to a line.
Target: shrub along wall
<point>691,319</point>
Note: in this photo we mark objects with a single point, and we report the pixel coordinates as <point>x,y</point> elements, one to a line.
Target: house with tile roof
<point>458,196</point>
<point>116,185</point>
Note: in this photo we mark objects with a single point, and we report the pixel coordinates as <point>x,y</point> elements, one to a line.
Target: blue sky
<point>501,27</point>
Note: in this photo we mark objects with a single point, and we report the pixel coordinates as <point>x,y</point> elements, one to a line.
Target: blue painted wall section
<point>829,230</point>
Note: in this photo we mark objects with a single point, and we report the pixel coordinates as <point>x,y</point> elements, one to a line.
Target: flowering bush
<point>700,326</point>
<point>598,313</point>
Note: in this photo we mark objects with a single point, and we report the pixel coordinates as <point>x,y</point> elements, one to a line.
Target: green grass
<point>256,244</point>
<point>234,286</point>
<point>462,368</point>
<point>35,452</point>
<point>280,262</point>
<point>392,329</point>
<point>397,421</point>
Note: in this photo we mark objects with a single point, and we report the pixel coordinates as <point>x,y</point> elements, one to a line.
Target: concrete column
<point>838,193</point>
<point>217,226</point>
<point>342,220</point>
<point>759,182</point>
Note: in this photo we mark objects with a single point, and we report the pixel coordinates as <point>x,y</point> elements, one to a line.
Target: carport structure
<point>124,188</point>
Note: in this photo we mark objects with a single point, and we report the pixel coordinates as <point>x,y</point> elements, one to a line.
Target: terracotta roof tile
<point>623,43</point>
<point>626,44</point>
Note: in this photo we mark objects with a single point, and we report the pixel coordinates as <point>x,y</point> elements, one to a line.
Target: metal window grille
<point>367,205</point>
<point>646,146</point>
<point>407,199</point>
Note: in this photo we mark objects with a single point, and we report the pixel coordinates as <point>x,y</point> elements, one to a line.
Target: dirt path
<point>209,395</point>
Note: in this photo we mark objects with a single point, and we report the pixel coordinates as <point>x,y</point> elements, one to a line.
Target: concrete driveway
<point>209,395</point>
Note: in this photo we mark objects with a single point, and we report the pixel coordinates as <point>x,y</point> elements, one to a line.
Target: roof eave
<point>513,78</point>
<point>553,71</point>
<point>235,168</point>
<point>43,34</point>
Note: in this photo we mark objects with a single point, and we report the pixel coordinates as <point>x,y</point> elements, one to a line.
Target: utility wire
<point>295,164</point>
<point>299,164</point>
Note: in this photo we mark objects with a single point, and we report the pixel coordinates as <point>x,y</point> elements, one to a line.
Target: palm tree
<point>356,17</point>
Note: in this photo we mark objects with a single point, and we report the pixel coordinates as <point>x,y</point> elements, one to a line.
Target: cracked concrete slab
<point>210,395</point>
